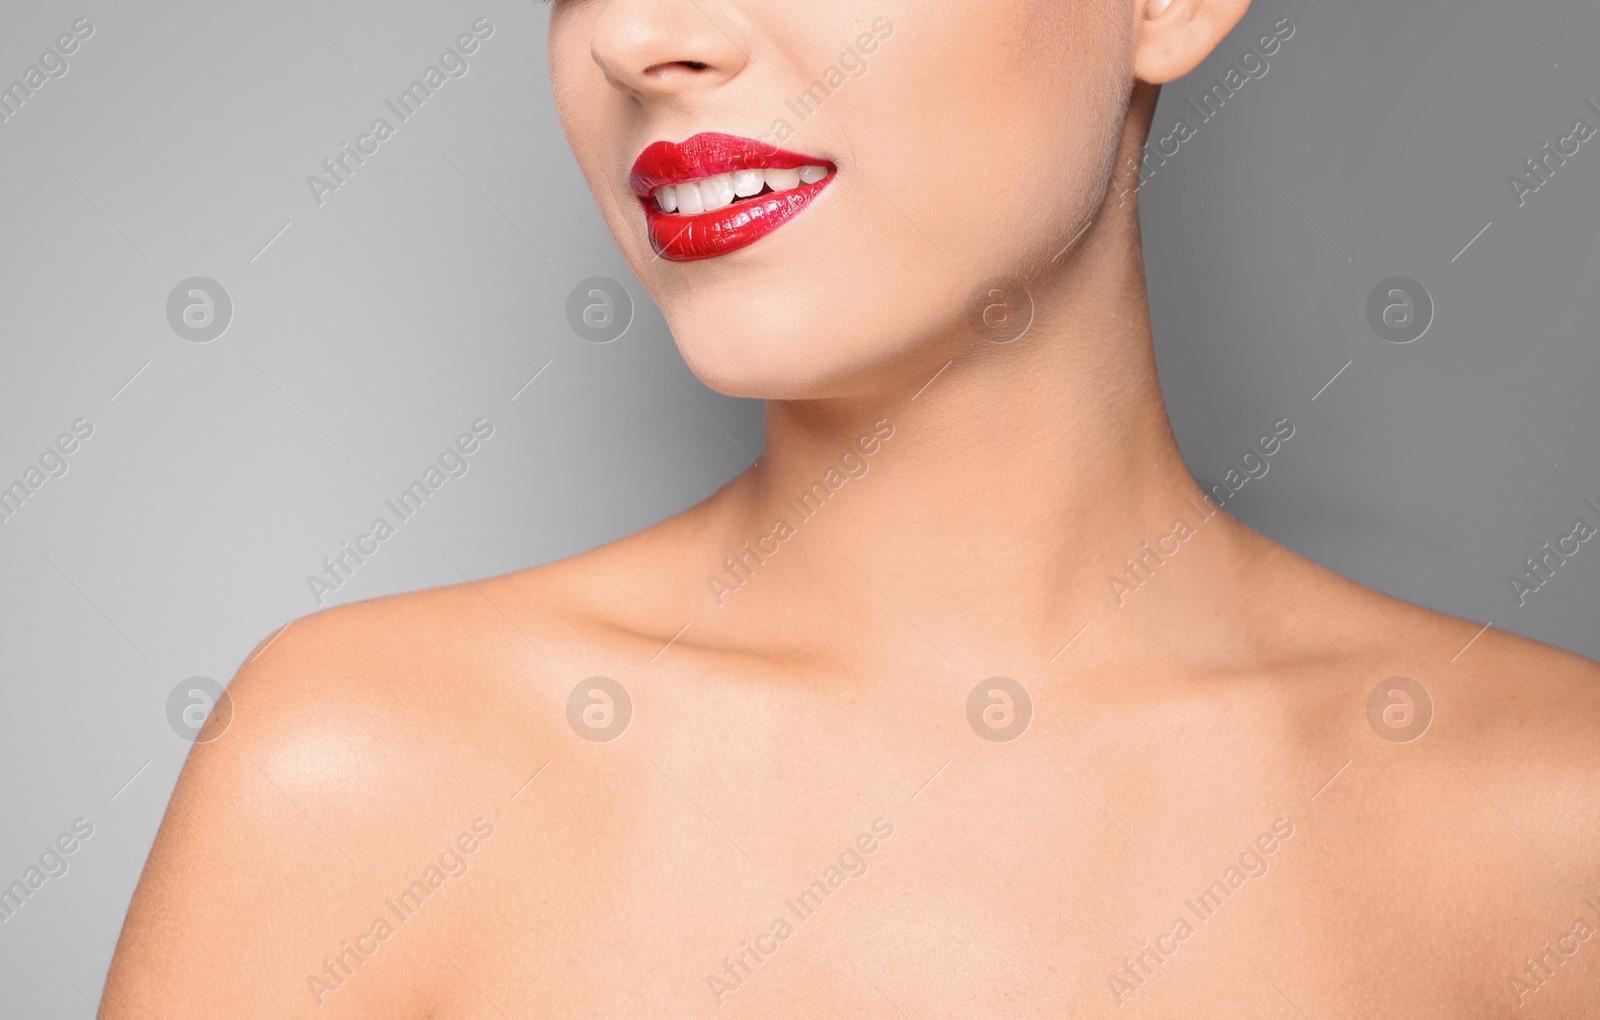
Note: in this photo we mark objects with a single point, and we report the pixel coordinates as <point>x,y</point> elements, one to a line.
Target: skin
<point>1226,695</point>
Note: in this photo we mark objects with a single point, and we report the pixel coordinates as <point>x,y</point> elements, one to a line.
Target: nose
<point>653,49</point>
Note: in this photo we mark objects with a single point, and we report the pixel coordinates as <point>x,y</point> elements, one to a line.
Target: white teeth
<point>689,202</point>
<point>719,191</point>
<point>783,180</point>
<point>748,182</point>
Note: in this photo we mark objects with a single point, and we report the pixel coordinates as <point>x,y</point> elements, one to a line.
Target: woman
<point>963,700</point>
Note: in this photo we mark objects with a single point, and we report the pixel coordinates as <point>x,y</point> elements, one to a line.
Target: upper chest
<point>990,892</point>
<point>731,852</point>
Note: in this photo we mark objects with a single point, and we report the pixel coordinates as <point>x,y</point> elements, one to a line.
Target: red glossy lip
<point>680,238</point>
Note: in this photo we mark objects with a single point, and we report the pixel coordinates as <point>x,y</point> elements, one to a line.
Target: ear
<point>1173,36</point>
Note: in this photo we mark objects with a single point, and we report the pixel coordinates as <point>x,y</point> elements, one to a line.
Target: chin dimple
<point>711,193</point>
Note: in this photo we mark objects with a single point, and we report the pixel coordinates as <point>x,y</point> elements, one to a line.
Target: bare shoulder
<point>1526,715</point>
<point>1518,718</point>
<point>358,749</point>
<point>372,685</point>
<point>1495,688</point>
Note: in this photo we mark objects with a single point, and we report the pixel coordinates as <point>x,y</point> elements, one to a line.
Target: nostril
<point>670,65</point>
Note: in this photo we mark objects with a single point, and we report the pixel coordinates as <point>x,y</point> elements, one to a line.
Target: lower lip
<point>706,235</point>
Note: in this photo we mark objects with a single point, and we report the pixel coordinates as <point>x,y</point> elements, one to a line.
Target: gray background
<point>425,292</point>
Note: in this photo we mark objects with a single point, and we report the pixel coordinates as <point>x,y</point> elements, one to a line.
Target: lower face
<point>813,204</point>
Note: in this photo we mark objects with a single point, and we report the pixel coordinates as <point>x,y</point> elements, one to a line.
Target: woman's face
<point>888,156</point>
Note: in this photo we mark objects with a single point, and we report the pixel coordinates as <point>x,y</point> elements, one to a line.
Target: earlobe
<point>1176,35</point>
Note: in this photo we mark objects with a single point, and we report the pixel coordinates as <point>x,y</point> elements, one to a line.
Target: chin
<point>758,322</point>
<point>761,344</point>
<point>804,336</point>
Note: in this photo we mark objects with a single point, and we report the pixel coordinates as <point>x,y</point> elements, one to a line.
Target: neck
<point>999,499</point>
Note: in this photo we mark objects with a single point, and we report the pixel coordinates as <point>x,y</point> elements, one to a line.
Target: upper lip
<point>708,154</point>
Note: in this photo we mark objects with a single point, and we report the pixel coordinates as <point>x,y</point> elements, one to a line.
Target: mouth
<point>714,193</point>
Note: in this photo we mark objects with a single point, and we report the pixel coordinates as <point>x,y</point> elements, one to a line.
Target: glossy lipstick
<point>683,237</point>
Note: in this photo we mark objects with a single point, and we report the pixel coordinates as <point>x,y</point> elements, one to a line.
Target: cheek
<point>585,103</point>
<point>587,107</point>
<point>994,126</point>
